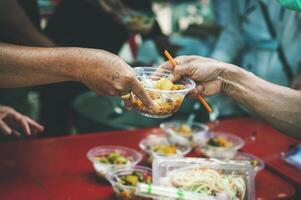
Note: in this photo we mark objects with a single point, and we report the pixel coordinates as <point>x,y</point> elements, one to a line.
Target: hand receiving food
<point>166,95</point>
<point>205,71</point>
<point>11,122</point>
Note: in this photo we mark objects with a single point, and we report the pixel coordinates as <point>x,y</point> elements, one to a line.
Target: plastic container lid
<point>237,171</point>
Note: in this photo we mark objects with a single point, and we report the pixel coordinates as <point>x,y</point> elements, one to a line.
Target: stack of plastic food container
<point>198,178</point>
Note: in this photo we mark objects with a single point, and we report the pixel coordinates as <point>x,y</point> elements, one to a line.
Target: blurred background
<point>232,31</point>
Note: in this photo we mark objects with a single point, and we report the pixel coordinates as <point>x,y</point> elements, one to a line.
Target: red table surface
<point>58,168</point>
<point>268,145</point>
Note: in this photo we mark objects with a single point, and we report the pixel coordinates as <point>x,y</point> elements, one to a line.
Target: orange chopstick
<point>202,100</point>
<point>170,58</point>
<point>205,104</point>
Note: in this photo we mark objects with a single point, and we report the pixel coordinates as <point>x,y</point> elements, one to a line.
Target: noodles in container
<point>158,146</point>
<point>166,95</point>
<point>219,145</point>
<point>222,180</point>
<point>108,158</point>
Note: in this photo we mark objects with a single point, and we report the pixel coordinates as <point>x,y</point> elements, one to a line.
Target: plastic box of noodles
<point>210,178</point>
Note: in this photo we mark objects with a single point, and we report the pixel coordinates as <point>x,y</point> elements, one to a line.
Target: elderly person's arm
<point>101,71</point>
<point>279,106</point>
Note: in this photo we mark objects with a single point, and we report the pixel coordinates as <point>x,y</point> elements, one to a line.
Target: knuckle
<point>129,78</point>
<point>8,109</point>
<point>118,87</point>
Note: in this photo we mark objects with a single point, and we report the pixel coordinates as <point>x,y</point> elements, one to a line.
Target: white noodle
<point>210,182</point>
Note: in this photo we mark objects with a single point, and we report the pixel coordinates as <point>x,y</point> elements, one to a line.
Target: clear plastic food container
<point>166,95</point>
<point>108,158</point>
<point>124,181</point>
<point>256,162</point>
<point>212,178</point>
<point>181,133</point>
<point>158,146</point>
<point>219,145</point>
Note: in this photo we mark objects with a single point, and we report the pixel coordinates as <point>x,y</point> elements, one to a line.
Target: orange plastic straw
<point>202,100</point>
<point>205,104</point>
<point>168,56</point>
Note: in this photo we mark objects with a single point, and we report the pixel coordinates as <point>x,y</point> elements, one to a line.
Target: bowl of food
<point>124,181</point>
<point>257,163</point>
<point>158,146</point>
<point>219,145</point>
<point>166,95</point>
<point>208,178</point>
<point>208,182</point>
<point>108,158</point>
<point>181,133</point>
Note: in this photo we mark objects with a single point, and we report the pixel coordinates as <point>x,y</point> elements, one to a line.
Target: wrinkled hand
<point>206,72</point>
<point>107,74</point>
<point>296,84</point>
<point>11,122</point>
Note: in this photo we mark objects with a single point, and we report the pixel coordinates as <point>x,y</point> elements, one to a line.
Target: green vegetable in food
<point>132,180</point>
<point>112,158</point>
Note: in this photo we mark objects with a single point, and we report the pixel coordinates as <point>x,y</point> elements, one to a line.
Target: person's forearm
<point>28,66</point>
<point>280,106</point>
<point>17,28</point>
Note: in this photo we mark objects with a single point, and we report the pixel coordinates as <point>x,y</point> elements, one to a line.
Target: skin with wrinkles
<point>279,106</point>
<point>28,66</point>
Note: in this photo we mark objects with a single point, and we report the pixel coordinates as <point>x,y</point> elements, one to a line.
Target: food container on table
<point>166,96</point>
<point>179,132</point>
<point>166,192</point>
<point>256,162</point>
<point>119,158</point>
<point>124,181</point>
<point>158,146</point>
<point>211,178</point>
<point>218,145</point>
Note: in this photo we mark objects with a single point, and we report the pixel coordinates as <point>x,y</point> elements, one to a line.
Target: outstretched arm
<point>279,106</point>
<point>101,71</point>
<point>28,66</point>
